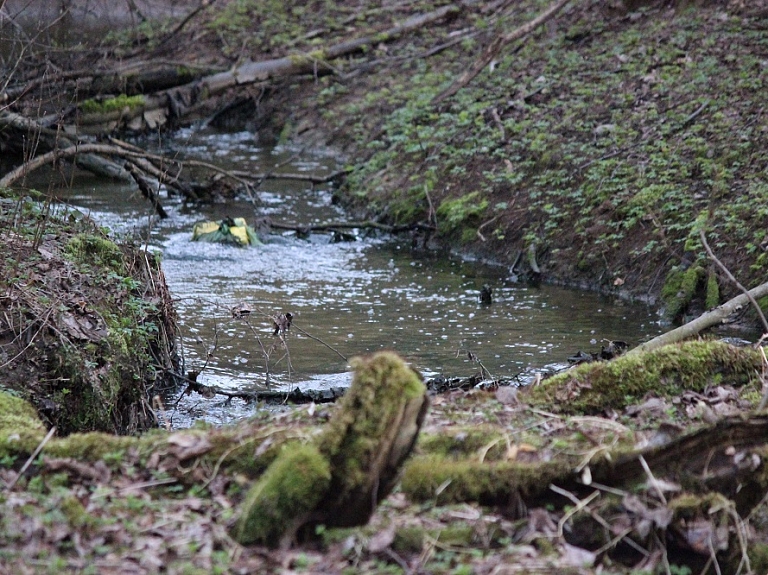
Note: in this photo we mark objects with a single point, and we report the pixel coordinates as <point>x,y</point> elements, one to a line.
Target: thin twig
<point>35,453</point>
<point>320,341</point>
<point>579,505</point>
<point>652,480</point>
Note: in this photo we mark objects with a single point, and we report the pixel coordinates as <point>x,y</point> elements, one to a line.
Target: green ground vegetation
<point>607,141</point>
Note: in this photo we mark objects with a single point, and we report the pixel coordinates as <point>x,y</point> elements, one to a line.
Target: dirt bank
<point>86,326</point>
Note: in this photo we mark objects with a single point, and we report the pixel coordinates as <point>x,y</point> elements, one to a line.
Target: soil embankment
<point>87,325</point>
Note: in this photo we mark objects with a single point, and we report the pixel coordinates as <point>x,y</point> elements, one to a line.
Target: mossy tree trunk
<point>339,478</point>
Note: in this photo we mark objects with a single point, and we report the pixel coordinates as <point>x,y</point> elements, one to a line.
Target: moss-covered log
<point>352,464</point>
<point>666,371</point>
<point>691,491</point>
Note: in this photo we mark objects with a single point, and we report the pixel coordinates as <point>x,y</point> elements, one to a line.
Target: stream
<point>346,298</point>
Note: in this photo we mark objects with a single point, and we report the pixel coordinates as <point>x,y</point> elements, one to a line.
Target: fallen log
<point>158,108</point>
<point>55,140</point>
<point>597,387</point>
<point>718,316</point>
<point>681,492</point>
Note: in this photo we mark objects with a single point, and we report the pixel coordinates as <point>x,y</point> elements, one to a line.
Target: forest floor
<point>602,144</point>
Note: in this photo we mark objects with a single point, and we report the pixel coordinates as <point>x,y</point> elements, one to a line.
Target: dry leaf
<point>382,540</point>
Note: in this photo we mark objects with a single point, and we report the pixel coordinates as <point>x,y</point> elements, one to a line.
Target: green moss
<point>371,433</point>
<point>409,539</point>
<point>115,104</point>
<point>93,446</point>
<point>667,371</point>
<point>287,492</point>
<point>463,442</point>
<point>20,428</point>
<point>75,513</point>
<point>763,303</point>
<point>679,289</point>
<point>91,249</point>
<point>457,534</point>
<point>313,57</point>
<point>447,481</point>
<point>16,413</point>
<point>412,538</point>
<point>382,384</point>
<point>713,291</point>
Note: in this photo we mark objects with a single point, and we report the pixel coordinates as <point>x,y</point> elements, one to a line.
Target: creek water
<point>346,298</point>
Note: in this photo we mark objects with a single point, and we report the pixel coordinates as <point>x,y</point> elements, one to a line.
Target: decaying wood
<point>720,315</point>
<point>137,77</point>
<point>336,476</point>
<point>317,61</point>
<point>178,101</point>
<point>147,189</point>
<point>294,396</point>
<point>642,495</point>
<point>495,47</point>
<point>722,457</point>
<point>54,140</point>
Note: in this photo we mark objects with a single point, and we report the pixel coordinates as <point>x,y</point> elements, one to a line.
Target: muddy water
<point>346,298</point>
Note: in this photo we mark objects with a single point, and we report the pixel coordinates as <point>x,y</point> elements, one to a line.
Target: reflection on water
<point>351,298</point>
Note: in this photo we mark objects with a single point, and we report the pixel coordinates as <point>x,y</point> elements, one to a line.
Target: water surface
<point>346,298</point>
